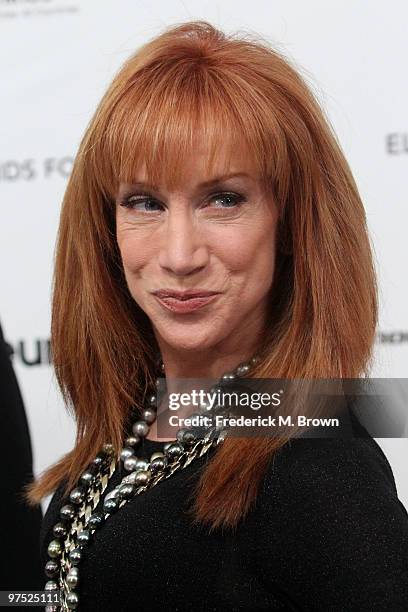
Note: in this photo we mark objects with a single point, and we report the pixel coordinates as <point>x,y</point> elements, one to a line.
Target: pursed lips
<point>184,295</point>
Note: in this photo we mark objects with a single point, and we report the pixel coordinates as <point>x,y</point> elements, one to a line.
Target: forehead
<point>200,167</point>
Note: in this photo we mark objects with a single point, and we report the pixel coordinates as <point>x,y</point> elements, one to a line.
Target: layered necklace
<point>79,519</point>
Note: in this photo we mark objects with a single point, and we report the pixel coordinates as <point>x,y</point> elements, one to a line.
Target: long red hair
<point>194,79</point>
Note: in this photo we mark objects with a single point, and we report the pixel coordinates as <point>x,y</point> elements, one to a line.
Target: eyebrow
<point>203,185</point>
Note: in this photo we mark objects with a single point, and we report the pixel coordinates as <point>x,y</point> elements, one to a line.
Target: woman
<point>209,169</point>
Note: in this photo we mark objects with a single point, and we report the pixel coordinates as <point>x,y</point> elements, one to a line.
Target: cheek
<point>250,250</point>
<point>134,252</point>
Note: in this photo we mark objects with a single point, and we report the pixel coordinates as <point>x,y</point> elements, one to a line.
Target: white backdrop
<point>57,58</point>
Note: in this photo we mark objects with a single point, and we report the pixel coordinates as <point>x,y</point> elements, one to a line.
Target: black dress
<point>20,569</point>
<point>327,533</point>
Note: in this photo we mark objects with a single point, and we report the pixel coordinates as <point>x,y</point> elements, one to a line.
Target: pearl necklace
<point>79,520</point>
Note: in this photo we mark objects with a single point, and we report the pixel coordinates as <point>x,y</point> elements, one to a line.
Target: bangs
<point>158,120</point>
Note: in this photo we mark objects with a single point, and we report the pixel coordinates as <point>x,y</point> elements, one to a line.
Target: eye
<point>231,199</point>
<point>143,203</point>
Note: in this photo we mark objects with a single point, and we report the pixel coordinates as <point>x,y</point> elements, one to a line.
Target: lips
<point>184,302</point>
<point>183,295</point>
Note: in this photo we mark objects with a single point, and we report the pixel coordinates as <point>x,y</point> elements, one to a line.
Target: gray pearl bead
<point>67,512</point>
<point>140,428</point>
<point>132,441</point>
<point>73,578</point>
<point>99,461</point>
<point>142,464</point>
<point>174,450</point>
<point>130,464</point>
<point>51,585</point>
<point>186,437</point>
<point>77,496</point>
<point>129,479</point>
<point>222,435</point>
<point>75,556</point>
<point>113,494</point>
<point>126,491</point>
<point>110,505</point>
<point>84,537</point>
<point>87,479</point>
<point>54,549</point>
<point>228,376</point>
<point>242,369</point>
<point>158,464</point>
<point>156,455</point>
<point>180,434</point>
<point>152,401</point>
<point>96,520</point>
<point>126,452</point>
<point>149,415</point>
<point>60,530</point>
<point>142,477</point>
<point>51,568</point>
<point>72,600</point>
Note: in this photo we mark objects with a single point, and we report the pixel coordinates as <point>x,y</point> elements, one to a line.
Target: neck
<point>177,385</point>
<point>179,377</point>
<point>210,362</point>
<point>197,367</point>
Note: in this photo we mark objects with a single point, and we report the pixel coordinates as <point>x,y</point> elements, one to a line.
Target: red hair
<point>194,79</point>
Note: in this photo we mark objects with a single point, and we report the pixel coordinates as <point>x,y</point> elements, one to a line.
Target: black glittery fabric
<point>327,533</point>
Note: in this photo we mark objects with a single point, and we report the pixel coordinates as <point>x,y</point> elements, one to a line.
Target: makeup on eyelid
<point>131,199</point>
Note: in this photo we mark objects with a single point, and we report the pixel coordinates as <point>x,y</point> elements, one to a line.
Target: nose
<point>182,249</point>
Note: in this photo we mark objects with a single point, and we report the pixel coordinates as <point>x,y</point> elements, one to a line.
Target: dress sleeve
<point>334,533</point>
<point>51,517</point>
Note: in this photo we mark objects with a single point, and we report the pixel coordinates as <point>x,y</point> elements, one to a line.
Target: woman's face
<point>217,237</point>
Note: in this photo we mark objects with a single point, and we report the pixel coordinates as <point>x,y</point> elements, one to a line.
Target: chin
<point>189,339</point>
